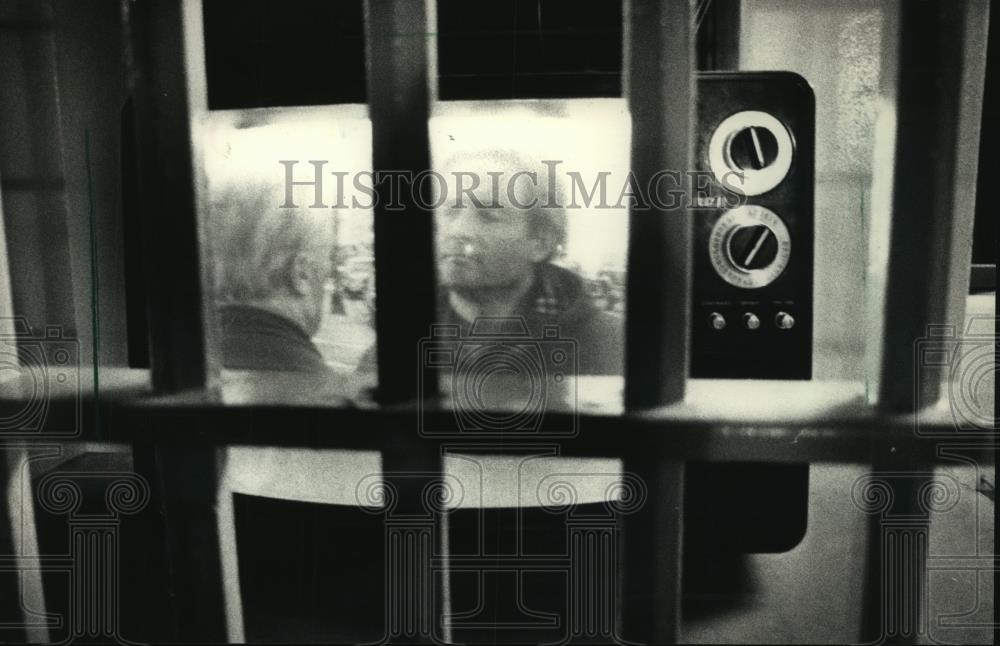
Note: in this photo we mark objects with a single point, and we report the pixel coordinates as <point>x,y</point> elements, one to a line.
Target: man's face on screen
<point>479,247</point>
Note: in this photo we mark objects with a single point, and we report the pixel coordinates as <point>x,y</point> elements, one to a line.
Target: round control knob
<point>717,321</point>
<point>749,246</point>
<point>753,148</point>
<point>750,321</point>
<point>752,247</point>
<point>784,321</point>
<point>751,152</point>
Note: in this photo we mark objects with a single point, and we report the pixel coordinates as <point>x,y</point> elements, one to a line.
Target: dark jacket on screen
<point>557,298</point>
<point>255,339</point>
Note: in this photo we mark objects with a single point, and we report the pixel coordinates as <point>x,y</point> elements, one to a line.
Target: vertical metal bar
<point>20,587</point>
<point>185,487</point>
<point>166,78</point>
<point>402,80</point>
<point>136,316</point>
<point>967,144</point>
<point>398,97</point>
<point>939,78</point>
<point>661,101</point>
<point>651,581</point>
<point>414,539</point>
<point>718,41</point>
<point>659,37</point>
<point>10,521</point>
<point>158,620</point>
<point>941,70</point>
<point>159,83</point>
<point>895,594</point>
<point>433,69</point>
<point>6,296</point>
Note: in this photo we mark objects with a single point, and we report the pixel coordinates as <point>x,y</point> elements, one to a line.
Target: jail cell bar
<point>650,593</point>
<point>411,609</point>
<point>94,544</point>
<point>660,89</point>
<point>939,82</point>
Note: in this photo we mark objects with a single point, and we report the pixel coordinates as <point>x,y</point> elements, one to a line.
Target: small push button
<point>750,321</point>
<point>717,321</point>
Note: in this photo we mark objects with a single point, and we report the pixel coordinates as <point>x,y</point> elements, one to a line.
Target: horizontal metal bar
<point>29,184</point>
<point>857,441</point>
<point>500,564</point>
<point>533,33</point>
<point>797,422</point>
<point>24,563</point>
<point>479,75</point>
<point>25,26</point>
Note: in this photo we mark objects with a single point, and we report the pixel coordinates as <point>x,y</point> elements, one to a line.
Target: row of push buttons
<point>782,320</point>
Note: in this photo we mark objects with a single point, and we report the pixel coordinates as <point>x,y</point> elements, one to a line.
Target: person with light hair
<point>270,267</point>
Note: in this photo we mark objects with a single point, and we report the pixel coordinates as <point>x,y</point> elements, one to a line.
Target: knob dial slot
<point>751,152</point>
<point>749,246</point>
